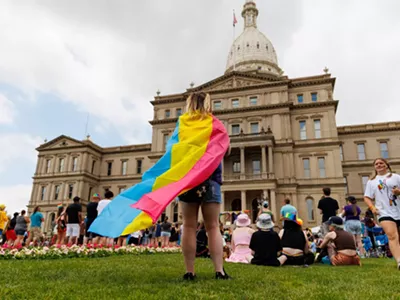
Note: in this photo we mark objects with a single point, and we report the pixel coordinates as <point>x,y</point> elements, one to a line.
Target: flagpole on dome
<point>234,46</point>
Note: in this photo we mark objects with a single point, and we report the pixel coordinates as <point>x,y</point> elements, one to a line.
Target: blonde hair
<point>387,165</point>
<point>198,103</point>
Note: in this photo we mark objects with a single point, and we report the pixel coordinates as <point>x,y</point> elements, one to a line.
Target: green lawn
<point>159,277</point>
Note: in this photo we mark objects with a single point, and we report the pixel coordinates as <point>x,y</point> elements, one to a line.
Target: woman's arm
<point>306,246</point>
<point>371,205</point>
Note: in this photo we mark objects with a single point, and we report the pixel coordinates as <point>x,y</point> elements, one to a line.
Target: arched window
<point>175,213</point>
<point>310,209</point>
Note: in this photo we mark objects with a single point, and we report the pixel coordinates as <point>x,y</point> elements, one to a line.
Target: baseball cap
<point>335,221</point>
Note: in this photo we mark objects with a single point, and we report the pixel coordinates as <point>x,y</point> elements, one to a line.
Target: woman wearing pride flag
<point>190,169</point>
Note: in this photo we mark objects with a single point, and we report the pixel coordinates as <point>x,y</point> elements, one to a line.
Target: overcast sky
<point>62,60</point>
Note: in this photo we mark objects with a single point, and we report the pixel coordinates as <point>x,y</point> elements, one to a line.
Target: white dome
<point>252,50</point>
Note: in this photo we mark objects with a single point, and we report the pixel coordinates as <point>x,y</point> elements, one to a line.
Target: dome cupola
<point>252,51</point>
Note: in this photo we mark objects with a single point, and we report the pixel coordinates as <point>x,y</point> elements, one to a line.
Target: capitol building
<point>285,142</point>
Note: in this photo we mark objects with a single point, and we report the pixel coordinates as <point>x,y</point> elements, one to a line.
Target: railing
<point>234,177</point>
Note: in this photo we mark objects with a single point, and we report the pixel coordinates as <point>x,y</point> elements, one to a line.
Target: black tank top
<point>293,238</point>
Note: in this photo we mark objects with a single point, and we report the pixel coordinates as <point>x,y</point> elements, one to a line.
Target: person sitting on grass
<point>265,244</point>
<point>241,240</point>
<point>294,242</point>
<point>340,244</point>
<point>202,242</point>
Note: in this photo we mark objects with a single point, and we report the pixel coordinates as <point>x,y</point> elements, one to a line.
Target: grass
<point>159,277</point>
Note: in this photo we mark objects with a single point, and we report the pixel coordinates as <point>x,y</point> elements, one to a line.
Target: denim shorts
<point>353,226</point>
<point>166,233</point>
<point>20,232</point>
<point>214,196</point>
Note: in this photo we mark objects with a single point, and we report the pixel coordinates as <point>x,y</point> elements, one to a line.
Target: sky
<point>65,62</point>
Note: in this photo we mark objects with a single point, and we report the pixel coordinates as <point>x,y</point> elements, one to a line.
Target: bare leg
<point>190,213</point>
<point>211,221</point>
<point>392,233</point>
<point>359,244</point>
<point>331,251</point>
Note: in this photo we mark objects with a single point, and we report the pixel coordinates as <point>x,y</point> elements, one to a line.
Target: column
<point>266,196</point>
<point>264,160</point>
<point>39,163</point>
<point>67,166</point>
<point>244,206</point>
<point>270,160</point>
<point>223,167</point>
<point>61,193</point>
<point>294,201</point>
<point>242,164</point>
<point>84,162</point>
<point>274,207</point>
<point>222,207</point>
<point>53,164</point>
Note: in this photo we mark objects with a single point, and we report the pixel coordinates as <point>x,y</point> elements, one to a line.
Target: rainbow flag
<point>193,153</point>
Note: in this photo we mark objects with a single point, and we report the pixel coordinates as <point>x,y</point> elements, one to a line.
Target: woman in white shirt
<point>384,189</point>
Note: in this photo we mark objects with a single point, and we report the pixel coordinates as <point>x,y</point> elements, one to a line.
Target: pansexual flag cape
<point>193,153</point>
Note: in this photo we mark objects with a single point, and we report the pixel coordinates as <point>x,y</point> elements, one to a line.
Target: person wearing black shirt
<point>91,215</point>
<point>266,244</point>
<point>328,207</point>
<point>74,219</point>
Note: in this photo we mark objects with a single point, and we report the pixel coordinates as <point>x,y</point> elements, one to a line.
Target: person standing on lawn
<point>21,227</point>
<point>36,226</point>
<point>328,207</point>
<point>165,232</point>
<point>73,220</point>
<point>3,218</point>
<point>384,188</point>
<point>100,207</point>
<point>287,209</point>
<point>91,215</point>
<point>207,196</point>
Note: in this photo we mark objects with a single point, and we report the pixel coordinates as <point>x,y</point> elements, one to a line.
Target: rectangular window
<point>300,98</point>
<point>56,192</point>
<point>109,168</point>
<point>253,101</point>
<point>254,128</point>
<point>178,112</point>
<point>48,166</point>
<point>167,113</point>
<point>235,103</point>
<point>93,166</point>
<point>364,180</point>
<point>341,152</point>
<point>70,191</point>
<point>90,193</point>
<point>124,167</point>
<point>256,167</point>
<point>384,150</point>
<point>139,163</point>
<point>314,97</point>
<point>217,105</point>
<point>317,129</point>
<point>236,167</point>
<point>310,209</point>
<point>235,129</point>
<point>61,165</point>
<point>74,164</point>
<point>306,167</point>
<point>321,167</point>
<point>303,130</point>
<point>165,141</point>
<point>121,190</point>
<point>346,188</point>
<point>361,151</point>
<point>43,193</point>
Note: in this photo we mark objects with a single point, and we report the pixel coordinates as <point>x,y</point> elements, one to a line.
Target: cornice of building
<point>289,105</point>
<point>368,128</point>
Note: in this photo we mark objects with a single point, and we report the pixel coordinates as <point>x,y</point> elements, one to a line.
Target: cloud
<point>359,43</point>
<point>15,197</point>
<point>7,110</point>
<point>17,149</point>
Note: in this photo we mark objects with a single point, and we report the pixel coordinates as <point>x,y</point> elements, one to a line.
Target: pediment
<point>234,80</point>
<point>61,142</point>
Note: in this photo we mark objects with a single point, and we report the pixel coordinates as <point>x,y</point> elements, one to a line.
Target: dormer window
<point>248,45</point>
<point>258,45</point>
<point>238,47</point>
<point>266,47</point>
